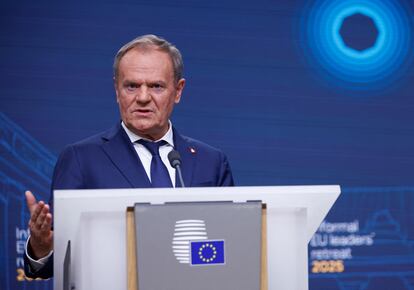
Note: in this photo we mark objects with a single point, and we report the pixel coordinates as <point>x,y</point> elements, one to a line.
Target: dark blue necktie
<point>159,173</point>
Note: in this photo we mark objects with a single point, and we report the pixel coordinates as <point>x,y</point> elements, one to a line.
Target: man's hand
<point>40,224</point>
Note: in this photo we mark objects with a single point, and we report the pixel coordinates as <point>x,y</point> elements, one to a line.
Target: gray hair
<point>147,42</point>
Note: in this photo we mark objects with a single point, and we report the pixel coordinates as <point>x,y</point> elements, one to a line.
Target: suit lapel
<point>120,150</point>
<point>188,156</point>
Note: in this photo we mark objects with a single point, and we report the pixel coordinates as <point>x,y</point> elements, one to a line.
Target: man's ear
<point>180,88</point>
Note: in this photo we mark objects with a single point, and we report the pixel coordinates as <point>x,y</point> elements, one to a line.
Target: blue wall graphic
<point>295,92</point>
<point>361,45</point>
<point>366,242</point>
<point>24,164</point>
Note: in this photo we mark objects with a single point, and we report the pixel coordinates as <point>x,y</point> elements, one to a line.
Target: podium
<point>94,223</point>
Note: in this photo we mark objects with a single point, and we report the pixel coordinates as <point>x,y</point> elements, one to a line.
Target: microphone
<point>175,161</point>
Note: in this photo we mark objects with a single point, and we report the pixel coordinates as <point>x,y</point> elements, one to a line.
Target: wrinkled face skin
<point>146,92</point>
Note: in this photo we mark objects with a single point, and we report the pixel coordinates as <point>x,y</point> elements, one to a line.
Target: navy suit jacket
<point>109,160</point>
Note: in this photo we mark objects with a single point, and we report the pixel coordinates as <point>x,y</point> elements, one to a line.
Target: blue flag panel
<point>209,252</point>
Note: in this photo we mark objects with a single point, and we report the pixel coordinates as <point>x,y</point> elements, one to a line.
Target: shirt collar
<point>168,137</point>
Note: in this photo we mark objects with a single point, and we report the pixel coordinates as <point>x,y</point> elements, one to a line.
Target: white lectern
<point>94,222</point>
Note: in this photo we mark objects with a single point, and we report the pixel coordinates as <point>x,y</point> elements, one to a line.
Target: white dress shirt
<point>145,155</point>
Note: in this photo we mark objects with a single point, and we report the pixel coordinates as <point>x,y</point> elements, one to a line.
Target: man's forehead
<point>134,69</point>
<point>149,59</point>
<point>143,52</point>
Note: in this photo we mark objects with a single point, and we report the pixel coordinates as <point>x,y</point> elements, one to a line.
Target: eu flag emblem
<point>207,252</point>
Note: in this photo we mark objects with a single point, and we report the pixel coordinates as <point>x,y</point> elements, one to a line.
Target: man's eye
<point>131,87</point>
<point>157,87</point>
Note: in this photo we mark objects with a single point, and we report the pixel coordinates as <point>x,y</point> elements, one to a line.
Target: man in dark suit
<point>148,83</point>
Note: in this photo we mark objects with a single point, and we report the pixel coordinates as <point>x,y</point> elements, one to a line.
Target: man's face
<point>147,92</point>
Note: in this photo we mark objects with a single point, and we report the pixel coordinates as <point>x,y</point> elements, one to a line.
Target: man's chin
<point>147,131</point>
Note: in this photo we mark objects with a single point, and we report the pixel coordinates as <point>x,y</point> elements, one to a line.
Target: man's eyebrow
<point>149,82</point>
<point>157,82</point>
<point>129,82</point>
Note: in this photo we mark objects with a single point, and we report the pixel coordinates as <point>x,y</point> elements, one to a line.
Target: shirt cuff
<point>36,264</point>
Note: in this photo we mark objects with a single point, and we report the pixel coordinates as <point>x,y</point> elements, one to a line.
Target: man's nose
<point>143,95</point>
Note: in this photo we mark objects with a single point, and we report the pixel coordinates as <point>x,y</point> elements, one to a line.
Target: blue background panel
<point>292,91</point>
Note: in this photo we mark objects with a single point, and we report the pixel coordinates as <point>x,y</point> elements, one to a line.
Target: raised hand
<point>40,224</point>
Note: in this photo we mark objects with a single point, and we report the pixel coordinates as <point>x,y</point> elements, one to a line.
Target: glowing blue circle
<point>369,52</point>
<point>371,68</point>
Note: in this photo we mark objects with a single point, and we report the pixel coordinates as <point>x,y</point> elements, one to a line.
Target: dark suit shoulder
<point>207,165</point>
<point>197,145</point>
<point>89,164</point>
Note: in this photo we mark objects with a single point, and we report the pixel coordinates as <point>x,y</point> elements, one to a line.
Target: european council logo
<point>210,252</point>
<point>185,232</point>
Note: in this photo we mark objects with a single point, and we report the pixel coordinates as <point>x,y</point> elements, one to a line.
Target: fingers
<point>44,220</point>
<point>40,217</point>
<point>36,212</point>
<point>31,201</point>
<point>47,224</point>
